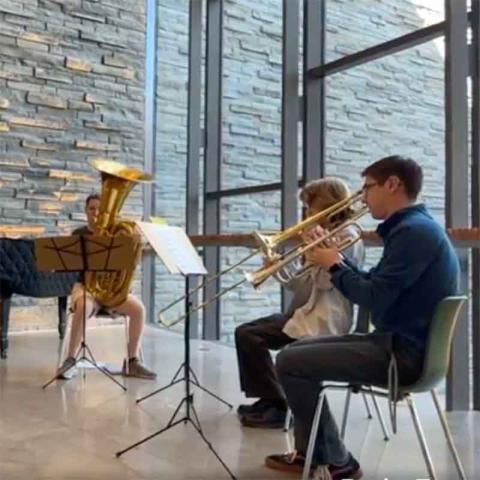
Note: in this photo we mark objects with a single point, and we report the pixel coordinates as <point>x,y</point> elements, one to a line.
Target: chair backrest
<point>440,336</point>
<point>362,325</point>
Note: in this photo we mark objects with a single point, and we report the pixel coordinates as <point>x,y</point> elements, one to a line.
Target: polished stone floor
<point>71,430</point>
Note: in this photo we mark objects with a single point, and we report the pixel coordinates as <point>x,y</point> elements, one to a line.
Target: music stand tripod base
<point>81,356</point>
<point>193,379</point>
<point>190,412</point>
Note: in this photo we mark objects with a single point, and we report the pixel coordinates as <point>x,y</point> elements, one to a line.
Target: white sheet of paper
<point>174,248</point>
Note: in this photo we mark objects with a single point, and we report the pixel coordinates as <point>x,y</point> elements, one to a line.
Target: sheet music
<point>174,248</point>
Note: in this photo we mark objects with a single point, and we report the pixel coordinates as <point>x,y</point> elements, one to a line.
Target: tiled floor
<point>71,430</point>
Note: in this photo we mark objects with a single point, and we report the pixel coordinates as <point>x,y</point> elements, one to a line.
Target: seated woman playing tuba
<point>131,307</point>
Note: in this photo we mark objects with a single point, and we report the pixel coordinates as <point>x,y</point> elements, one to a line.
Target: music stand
<point>85,253</point>
<point>179,256</point>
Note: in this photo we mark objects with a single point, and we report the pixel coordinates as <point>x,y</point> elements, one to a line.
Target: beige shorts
<point>78,293</point>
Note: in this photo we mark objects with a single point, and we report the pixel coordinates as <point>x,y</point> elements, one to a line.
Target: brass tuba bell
<point>111,289</point>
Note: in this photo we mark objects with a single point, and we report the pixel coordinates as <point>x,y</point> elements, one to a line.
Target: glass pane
<point>353,26</point>
<point>171,136</point>
<point>171,131</point>
<point>394,105</point>
<point>244,214</point>
<point>252,85</point>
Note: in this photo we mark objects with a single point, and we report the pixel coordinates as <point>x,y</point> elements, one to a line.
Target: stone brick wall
<point>392,105</point>
<point>71,89</point>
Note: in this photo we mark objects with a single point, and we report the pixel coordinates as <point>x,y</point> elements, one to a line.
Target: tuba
<point>111,289</point>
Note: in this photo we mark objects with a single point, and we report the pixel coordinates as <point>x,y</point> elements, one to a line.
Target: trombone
<point>203,284</point>
<point>279,265</point>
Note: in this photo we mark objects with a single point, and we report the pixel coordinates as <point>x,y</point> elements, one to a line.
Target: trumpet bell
<point>265,243</point>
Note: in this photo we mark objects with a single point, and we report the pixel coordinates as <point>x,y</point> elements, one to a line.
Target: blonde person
<point>132,307</point>
<point>317,308</point>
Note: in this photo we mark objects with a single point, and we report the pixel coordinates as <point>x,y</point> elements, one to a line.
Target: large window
<point>252,74</point>
<point>393,105</point>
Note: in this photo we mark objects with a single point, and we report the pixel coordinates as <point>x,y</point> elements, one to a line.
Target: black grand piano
<point>18,275</point>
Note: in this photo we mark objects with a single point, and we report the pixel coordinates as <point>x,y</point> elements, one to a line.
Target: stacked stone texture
<point>71,89</point>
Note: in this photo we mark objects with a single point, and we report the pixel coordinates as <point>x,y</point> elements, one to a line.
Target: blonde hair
<point>327,191</point>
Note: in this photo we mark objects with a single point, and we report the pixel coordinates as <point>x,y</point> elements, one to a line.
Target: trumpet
<point>289,266</point>
<point>285,266</point>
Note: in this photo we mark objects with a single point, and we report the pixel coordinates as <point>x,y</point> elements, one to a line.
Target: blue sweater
<point>418,268</point>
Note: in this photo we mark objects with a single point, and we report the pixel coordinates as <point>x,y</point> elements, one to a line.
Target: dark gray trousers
<point>304,365</point>
<point>253,341</point>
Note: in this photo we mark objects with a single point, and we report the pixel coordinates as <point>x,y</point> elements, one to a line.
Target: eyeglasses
<point>367,186</point>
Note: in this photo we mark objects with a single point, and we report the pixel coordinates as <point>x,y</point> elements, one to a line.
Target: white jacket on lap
<point>317,307</point>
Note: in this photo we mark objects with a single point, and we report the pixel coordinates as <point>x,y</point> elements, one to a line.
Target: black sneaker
<point>291,462</point>
<point>273,417</point>
<point>350,470</point>
<point>258,407</point>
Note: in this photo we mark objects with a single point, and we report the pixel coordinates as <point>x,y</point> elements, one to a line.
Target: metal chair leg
<point>346,409</point>
<point>448,436</point>
<point>421,437</point>
<point>369,413</point>
<point>313,436</point>
<point>386,436</point>
<point>367,406</point>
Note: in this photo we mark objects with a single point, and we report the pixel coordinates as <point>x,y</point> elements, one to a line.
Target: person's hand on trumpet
<point>325,254</point>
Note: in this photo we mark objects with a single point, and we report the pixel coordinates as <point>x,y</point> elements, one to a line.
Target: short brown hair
<point>92,196</point>
<point>407,170</point>
<point>330,190</point>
